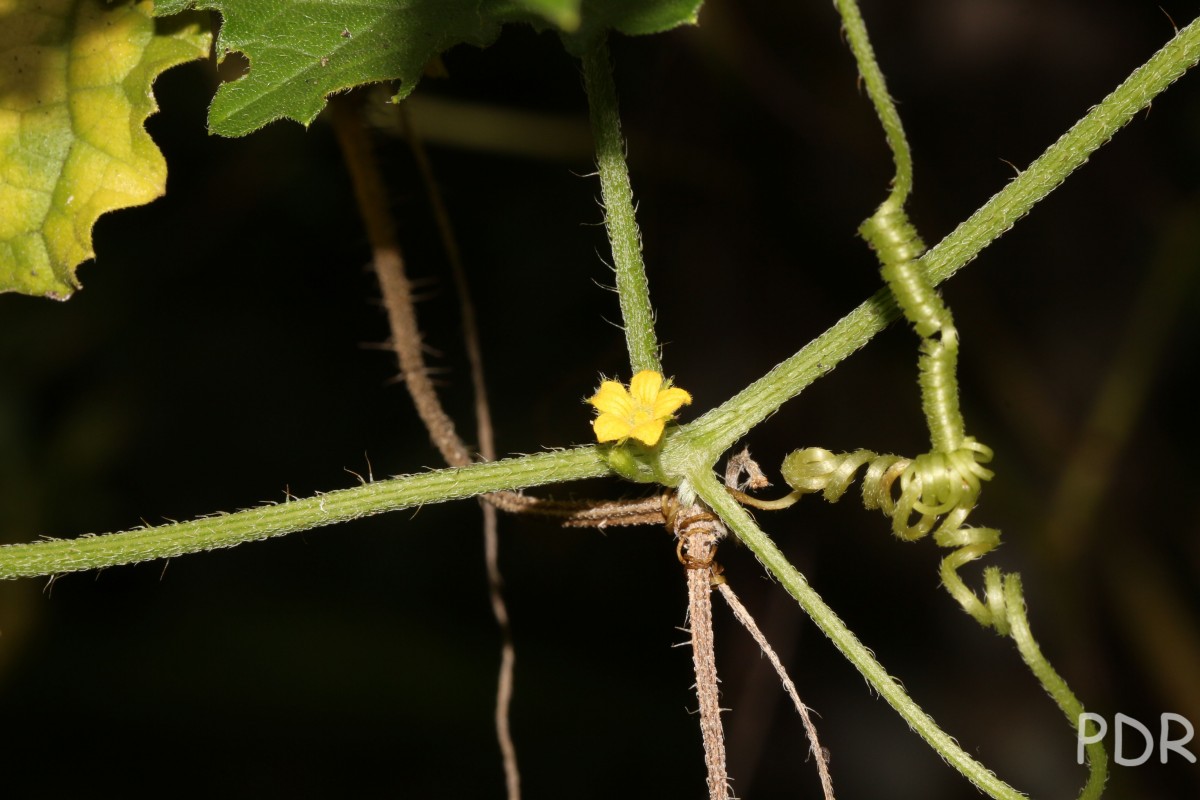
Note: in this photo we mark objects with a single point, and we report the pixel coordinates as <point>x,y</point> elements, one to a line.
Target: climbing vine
<point>646,434</point>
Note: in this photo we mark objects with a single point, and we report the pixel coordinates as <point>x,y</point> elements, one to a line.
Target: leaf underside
<point>302,51</point>
<point>75,78</point>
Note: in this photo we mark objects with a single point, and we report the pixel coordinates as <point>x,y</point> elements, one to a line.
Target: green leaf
<point>75,78</point>
<point>302,51</point>
<point>631,17</point>
<point>563,14</point>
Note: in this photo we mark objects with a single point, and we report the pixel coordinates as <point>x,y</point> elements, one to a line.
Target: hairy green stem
<point>54,556</point>
<point>712,434</point>
<point>619,218</point>
<point>736,517</point>
<point>702,441</point>
<point>896,243</point>
<point>694,447</point>
<point>1053,683</point>
<point>1066,155</point>
<point>872,77</point>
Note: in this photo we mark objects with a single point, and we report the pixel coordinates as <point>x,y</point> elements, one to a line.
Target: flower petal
<point>640,411</point>
<point>669,401</point>
<point>612,398</point>
<point>610,428</point>
<point>649,432</point>
<point>644,388</point>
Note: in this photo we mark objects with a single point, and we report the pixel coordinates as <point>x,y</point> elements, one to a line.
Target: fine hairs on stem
<point>951,476</point>
<point>941,487</point>
<point>701,441</point>
<point>616,192</point>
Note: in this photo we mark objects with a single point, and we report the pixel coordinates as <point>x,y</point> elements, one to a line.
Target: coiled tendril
<point>944,483</point>
<point>898,246</point>
<point>916,494</point>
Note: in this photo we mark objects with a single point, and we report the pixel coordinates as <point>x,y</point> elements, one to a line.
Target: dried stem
<point>699,533</point>
<point>470,328</point>
<point>406,342</point>
<point>393,282</point>
<point>508,653</point>
<point>743,616</point>
<point>487,448</point>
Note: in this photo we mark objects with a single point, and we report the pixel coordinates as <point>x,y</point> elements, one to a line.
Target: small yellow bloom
<point>640,412</point>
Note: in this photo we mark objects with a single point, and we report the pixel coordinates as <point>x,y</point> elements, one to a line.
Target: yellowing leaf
<point>75,79</point>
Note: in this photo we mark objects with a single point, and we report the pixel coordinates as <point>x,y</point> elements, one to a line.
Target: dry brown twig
<point>819,753</point>
<point>487,449</point>
<point>699,531</point>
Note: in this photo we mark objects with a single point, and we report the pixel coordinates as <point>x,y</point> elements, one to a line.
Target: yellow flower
<point>640,412</point>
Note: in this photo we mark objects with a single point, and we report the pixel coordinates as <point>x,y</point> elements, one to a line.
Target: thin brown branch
<point>406,342</point>
<point>470,328</point>
<point>487,447</point>
<point>508,653</point>
<point>743,616</point>
<point>393,282</point>
<point>699,532</point>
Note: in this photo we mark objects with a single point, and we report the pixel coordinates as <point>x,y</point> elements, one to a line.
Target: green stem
<point>897,245</point>
<point>1053,683</point>
<point>712,434</point>
<point>736,517</point>
<point>1066,155</point>
<point>702,441</point>
<point>619,218</point>
<point>54,556</point>
<point>872,77</point>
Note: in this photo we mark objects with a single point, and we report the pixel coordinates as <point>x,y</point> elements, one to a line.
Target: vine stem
<point>715,432</point>
<point>55,556</point>
<point>690,449</point>
<point>1054,685</point>
<point>619,217</point>
<point>735,516</point>
<point>872,76</point>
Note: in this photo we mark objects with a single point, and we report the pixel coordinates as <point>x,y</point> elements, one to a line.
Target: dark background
<point>224,351</point>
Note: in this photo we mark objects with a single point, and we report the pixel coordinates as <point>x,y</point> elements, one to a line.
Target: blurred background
<point>226,350</point>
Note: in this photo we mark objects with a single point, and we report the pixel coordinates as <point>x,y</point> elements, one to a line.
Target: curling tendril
<point>916,494</point>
